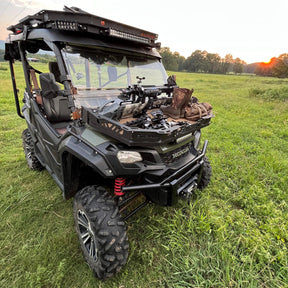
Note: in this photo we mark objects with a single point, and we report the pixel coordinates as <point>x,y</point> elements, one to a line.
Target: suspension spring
<point>119,183</point>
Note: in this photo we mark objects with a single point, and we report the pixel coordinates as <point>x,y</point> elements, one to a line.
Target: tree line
<point>201,61</point>
<point>204,62</point>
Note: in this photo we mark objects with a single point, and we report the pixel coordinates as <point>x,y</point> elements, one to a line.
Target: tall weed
<point>270,94</point>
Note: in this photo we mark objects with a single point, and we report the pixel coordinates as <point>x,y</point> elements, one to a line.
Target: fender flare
<point>74,153</point>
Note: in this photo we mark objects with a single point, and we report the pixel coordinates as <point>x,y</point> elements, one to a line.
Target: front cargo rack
<point>82,21</point>
<point>133,136</point>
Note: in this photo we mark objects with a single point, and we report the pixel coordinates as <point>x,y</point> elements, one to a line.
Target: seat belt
<point>36,88</point>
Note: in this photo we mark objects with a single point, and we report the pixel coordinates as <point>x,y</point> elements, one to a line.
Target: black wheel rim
<point>87,235</point>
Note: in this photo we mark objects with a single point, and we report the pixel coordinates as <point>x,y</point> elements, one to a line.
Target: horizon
<point>251,31</point>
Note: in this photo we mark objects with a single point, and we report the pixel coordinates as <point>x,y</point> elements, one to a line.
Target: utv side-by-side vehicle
<point>105,120</point>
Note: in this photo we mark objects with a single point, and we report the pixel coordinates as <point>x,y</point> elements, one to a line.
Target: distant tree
<point>280,66</point>
<point>213,62</point>
<point>238,66</point>
<point>196,62</point>
<point>250,68</point>
<point>284,57</point>
<point>168,59</point>
<point>180,61</point>
<point>227,63</point>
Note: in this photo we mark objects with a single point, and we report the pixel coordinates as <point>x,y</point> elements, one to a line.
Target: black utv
<point>105,120</point>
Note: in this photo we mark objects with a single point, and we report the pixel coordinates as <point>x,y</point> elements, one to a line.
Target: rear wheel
<point>101,231</point>
<point>29,151</point>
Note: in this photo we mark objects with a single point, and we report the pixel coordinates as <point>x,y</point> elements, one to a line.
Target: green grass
<point>233,234</point>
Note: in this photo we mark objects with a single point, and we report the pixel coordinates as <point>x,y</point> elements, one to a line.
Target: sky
<point>252,30</point>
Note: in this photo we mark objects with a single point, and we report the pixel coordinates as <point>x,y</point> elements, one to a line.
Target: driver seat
<point>54,103</point>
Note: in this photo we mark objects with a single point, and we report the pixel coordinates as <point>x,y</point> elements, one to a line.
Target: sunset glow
<point>269,62</point>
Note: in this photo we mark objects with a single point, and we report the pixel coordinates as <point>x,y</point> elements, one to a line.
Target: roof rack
<point>75,19</point>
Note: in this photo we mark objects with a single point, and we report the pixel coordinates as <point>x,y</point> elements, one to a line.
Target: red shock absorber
<point>119,183</point>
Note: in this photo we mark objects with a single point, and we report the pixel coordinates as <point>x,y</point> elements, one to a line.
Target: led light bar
<point>128,36</point>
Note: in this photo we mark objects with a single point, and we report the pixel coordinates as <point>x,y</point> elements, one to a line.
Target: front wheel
<point>101,231</point>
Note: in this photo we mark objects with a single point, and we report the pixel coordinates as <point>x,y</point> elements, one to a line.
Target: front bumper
<point>182,182</point>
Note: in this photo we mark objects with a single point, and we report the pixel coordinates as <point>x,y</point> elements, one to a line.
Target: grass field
<point>233,234</point>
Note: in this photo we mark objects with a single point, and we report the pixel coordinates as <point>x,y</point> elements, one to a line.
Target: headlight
<point>129,157</point>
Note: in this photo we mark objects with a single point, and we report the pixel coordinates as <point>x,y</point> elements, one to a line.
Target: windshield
<point>97,73</point>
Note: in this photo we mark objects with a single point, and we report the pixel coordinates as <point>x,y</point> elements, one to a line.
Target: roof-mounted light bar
<point>127,36</point>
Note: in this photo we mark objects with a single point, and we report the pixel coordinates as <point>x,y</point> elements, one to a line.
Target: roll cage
<point>55,30</point>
